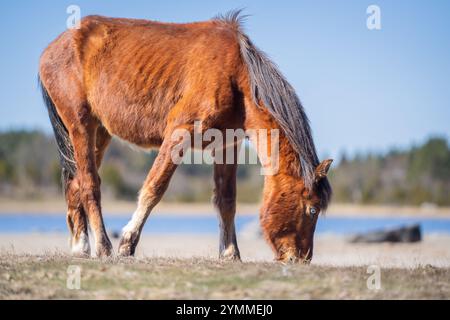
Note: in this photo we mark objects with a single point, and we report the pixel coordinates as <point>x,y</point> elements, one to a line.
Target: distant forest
<point>29,169</point>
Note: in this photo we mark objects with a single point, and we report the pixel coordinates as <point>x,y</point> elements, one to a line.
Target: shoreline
<point>126,208</point>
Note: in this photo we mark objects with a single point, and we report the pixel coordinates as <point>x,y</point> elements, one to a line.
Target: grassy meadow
<point>46,277</point>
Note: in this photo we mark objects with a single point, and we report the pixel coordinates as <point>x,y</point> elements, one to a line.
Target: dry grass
<point>45,277</point>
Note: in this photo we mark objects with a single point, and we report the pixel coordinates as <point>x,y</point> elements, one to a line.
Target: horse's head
<point>289,216</point>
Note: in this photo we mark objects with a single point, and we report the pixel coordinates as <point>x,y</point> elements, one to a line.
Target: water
<point>155,224</point>
<point>209,225</point>
<point>351,225</point>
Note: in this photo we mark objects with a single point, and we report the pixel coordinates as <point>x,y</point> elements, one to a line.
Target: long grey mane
<point>270,87</point>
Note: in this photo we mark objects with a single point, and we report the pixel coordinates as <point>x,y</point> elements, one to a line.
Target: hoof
<point>233,258</point>
<point>230,254</point>
<point>104,249</point>
<point>80,248</point>
<point>128,243</point>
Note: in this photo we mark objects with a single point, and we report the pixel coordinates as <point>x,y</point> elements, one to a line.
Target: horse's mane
<point>269,86</point>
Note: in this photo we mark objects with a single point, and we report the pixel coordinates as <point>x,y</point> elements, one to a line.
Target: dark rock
<point>403,234</point>
<point>114,234</point>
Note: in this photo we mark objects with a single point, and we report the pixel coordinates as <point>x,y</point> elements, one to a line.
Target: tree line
<point>29,169</point>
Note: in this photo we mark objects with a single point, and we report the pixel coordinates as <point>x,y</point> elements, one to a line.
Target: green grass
<point>45,277</point>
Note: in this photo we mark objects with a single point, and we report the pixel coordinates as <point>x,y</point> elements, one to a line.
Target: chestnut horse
<point>140,80</point>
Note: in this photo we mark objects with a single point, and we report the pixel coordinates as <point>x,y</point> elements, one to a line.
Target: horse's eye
<point>312,211</point>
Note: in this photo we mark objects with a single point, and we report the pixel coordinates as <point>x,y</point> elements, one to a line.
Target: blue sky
<point>363,90</point>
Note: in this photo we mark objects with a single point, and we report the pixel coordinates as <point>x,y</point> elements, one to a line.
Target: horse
<point>142,80</point>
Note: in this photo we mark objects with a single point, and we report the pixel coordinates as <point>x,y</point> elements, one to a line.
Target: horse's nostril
<point>306,261</point>
<point>292,259</point>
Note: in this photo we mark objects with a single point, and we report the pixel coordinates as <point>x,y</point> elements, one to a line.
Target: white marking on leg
<point>131,232</point>
<point>136,222</point>
<point>82,246</point>
<point>144,207</point>
<point>229,252</point>
<point>228,244</point>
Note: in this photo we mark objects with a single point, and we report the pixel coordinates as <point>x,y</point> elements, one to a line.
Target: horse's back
<point>133,72</point>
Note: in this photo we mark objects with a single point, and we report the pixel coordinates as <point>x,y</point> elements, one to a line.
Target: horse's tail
<point>272,91</point>
<point>65,147</point>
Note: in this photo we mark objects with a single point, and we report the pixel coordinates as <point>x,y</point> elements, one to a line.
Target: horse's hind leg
<point>76,216</point>
<point>225,201</point>
<point>76,220</point>
<point>102,140</point>
<point>82,132</point>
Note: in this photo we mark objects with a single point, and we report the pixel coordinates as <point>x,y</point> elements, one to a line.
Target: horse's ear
<point>322,169</point>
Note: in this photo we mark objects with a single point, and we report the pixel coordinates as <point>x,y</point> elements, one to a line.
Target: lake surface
<point>14,223</point>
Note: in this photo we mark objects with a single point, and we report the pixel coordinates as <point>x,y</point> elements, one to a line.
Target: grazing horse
<point>141,80</point>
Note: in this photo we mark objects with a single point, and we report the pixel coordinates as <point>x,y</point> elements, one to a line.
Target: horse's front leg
<point>151,192</point>
<point>225,201</point>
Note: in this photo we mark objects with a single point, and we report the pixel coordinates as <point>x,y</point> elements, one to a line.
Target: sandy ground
<point>329,250</point>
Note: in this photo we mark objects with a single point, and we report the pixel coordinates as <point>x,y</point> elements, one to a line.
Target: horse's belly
<point>138,125</point>
<point>137,134</point>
